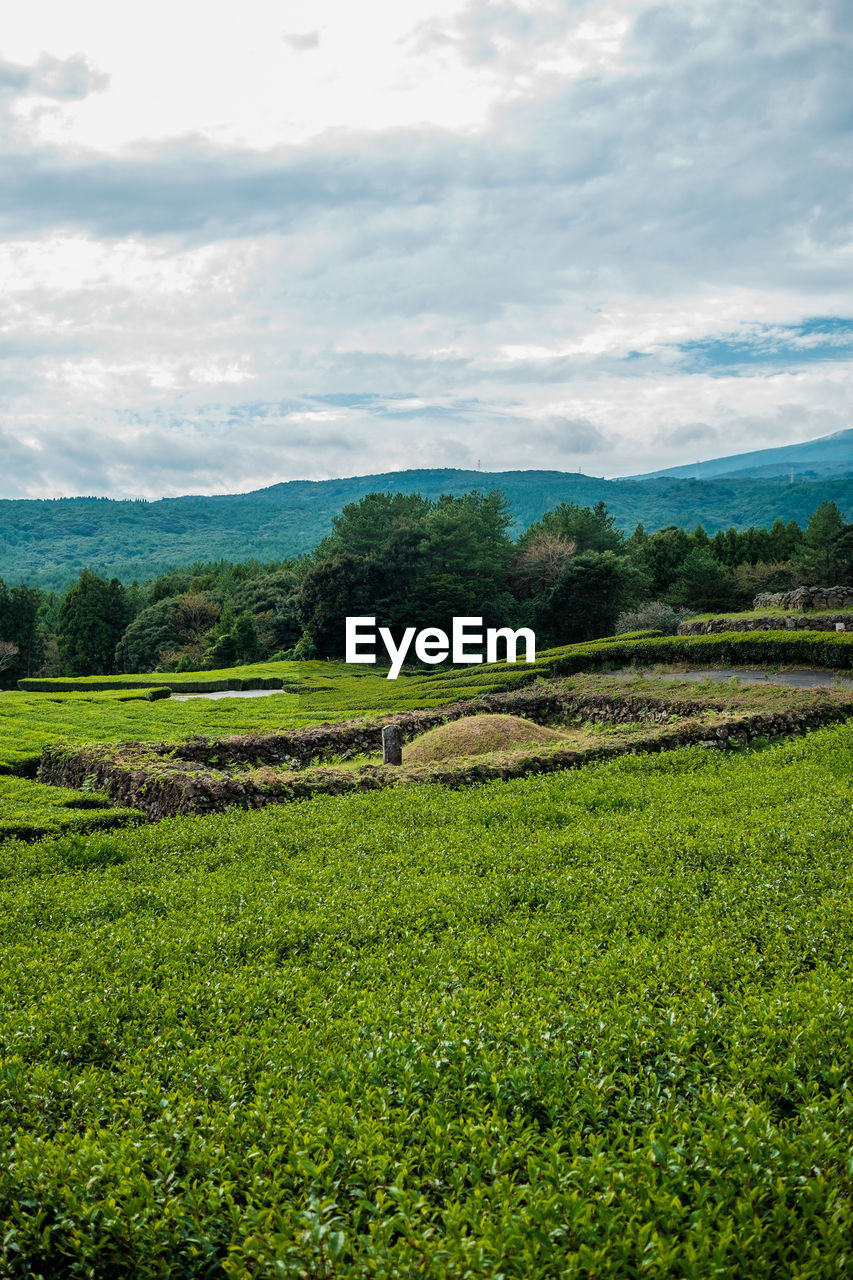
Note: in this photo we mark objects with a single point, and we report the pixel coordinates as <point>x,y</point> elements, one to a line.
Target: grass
<point>329,691</point>
<point>769,613</point>
<point>479,735</point>
<point>29,720</point>
<point>583,1024</point>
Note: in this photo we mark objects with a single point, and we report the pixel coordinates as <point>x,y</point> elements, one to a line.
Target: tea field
<point>312,693</point>
<point>587,1024</point>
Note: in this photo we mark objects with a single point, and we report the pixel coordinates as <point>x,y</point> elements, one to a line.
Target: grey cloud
<point>60,78</point>
<point>505,35</point>
<point>567,435</point>
<point>68,78</point>
<point>718,159</point>
<point>226,448</point>
<point>17,462</point>
<point>722,160</point>
<point>13,79</point>
<point>689,433</point>
<point>300,42</point>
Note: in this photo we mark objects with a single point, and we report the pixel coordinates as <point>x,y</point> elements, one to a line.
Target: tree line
<point>409,560</point>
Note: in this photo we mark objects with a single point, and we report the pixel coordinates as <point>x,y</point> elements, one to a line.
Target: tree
<point>366,526</point>
<point>171,630</point>
<point>246,639</point>
<point>195,613</point>
<point>332,590</point>
<point>20,626</point>
<point>589,528</point>
<point>702,583</point>
<point>541,562</point>
<point>8,653</point>
<point>270,600</point>
<point>91,622</point>
<point>825,558</point>
<point>468,537</point>
<point>586,600</point>
<point>407,561</point>
<point>662,554</point>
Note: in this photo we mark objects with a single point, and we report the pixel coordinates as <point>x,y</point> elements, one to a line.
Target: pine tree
<point>246,639</point>
<point>91,622</point>
<point>824,559</point>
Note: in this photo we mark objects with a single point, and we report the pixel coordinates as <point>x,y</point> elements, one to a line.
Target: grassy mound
<point>477,735</point>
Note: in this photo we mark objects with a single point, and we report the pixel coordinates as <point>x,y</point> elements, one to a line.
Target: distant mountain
<point>46,542</point>
<point>826,456</point>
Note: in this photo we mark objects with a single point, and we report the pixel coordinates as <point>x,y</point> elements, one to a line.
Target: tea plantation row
<point>318,691</point>
<point>588,1024</point>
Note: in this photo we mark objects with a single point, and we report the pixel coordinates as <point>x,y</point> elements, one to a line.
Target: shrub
<point>656,615</point>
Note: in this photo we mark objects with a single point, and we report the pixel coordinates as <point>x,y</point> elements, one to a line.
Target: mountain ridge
<point>824,456</point>
<point>47,541</point>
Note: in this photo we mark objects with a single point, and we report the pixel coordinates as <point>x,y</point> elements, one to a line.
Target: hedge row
<point>827,650</point>
<point>160,685</point>
<point>29,810</point>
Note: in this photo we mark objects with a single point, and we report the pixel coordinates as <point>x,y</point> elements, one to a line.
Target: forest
<point>412,560</point>
<point>44,542</point>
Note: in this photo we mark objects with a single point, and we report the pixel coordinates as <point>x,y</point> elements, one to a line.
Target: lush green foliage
<point>826,556</point>
<point>408,560</point>
<point>589,528</point>
<point>590,1024</point>
<point>326,691</point>
<point>318,691</point>
<point>29,809</point>
<point>29,720</point>
<point>22,645</point>
<point>46,542</point>
<point>729,648</point>
<point>91,622</point>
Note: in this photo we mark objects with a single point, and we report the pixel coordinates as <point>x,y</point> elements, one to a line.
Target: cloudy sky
<point>248,243</point>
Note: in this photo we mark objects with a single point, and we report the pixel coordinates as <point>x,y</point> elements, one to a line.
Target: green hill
<point>46,542</point>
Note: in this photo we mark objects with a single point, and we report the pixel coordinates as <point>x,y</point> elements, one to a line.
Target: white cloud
<point>429,233</point>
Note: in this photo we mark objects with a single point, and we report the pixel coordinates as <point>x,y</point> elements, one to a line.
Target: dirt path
<point>796,678</point>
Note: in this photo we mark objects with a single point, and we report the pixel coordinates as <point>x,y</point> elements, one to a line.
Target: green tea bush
<point>29,809</point>
<point>81,854</point>
<point>589,1024</point>
<point>823,649</point>
<point>313,692</point>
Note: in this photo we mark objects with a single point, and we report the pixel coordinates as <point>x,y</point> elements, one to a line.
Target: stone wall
<point>839,597</point>
<point>772,622</point>
<point>163,784</point>
<point>805,599</point>
<point>302,747</point>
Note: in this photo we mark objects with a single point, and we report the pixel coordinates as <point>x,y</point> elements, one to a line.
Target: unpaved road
<point>796,678</point>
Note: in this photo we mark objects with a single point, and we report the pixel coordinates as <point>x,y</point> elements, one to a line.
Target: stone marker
<point>392,744</point>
